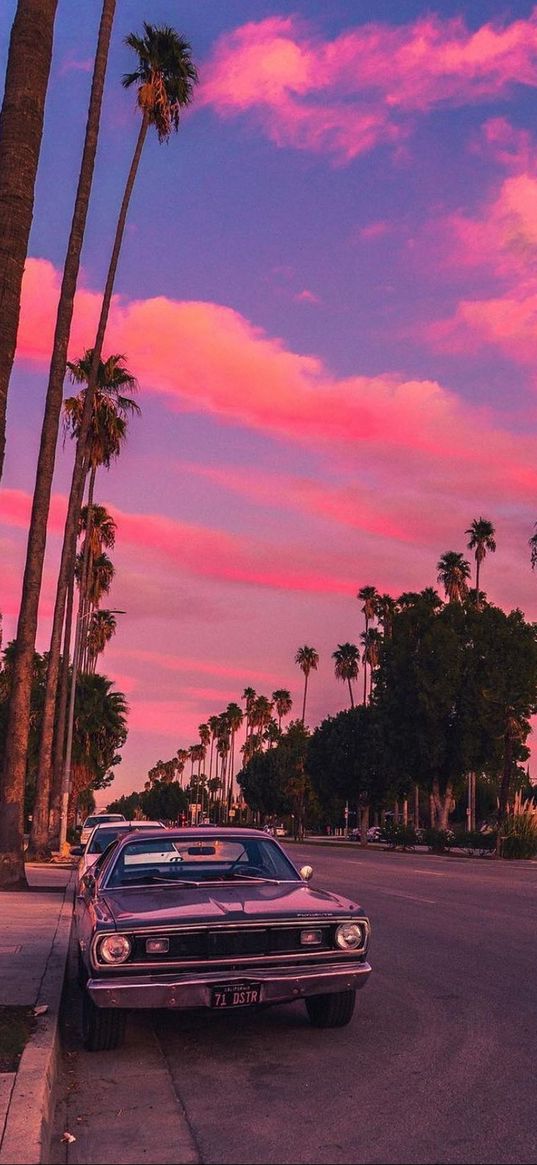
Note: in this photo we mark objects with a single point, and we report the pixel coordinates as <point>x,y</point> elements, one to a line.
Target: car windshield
<point>100,819</point>
<point>194,861</point>
<point>103,835</point>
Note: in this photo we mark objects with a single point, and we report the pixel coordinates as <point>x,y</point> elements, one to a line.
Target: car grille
<point>218,943</point>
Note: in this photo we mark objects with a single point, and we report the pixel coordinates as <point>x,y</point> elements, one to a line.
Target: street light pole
<point>66,776</point>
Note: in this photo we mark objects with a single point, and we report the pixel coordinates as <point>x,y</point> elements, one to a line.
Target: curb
<point>26,1138</point>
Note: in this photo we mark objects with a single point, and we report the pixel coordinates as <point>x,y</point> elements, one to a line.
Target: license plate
<point>235,995</point>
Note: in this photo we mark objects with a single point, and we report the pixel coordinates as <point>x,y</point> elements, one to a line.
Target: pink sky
<point>328,294</point>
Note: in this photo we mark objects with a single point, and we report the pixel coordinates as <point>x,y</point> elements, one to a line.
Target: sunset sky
<point>328,294</point>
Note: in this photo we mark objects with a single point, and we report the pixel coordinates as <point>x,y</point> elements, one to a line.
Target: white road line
<point>429,873</point>
<point>413,897</point>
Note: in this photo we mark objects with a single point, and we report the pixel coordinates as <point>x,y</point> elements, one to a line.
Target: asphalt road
<point>437,1065</point>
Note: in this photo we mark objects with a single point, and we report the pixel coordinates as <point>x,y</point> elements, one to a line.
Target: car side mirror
<point>306,873</point>
<point>76,851</point>
<point>88,884</point>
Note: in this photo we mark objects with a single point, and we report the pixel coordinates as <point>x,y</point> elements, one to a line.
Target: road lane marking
<point>429,873</point>
<point>413,897</point>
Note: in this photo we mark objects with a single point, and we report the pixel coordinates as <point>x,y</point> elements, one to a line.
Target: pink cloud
<point>205,357</point>
<point>306,296</point>
<point>374,230</point>
<point>180,663</point>
<point>347,95</point>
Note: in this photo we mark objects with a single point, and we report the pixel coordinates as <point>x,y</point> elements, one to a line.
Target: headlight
<point>115,948</point>
<point>349,936</point>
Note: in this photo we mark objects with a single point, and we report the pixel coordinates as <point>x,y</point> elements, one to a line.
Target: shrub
<point>519,836</point>
<point>438,840</point>
<point>396,835</point>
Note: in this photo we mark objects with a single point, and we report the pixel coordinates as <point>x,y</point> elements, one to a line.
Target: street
<point>437,1064</point>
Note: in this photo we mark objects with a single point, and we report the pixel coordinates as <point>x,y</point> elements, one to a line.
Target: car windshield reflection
<point>189,861</point>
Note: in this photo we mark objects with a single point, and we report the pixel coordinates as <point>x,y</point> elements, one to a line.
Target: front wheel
<point>331,1010</point>
<point>103,1028</point>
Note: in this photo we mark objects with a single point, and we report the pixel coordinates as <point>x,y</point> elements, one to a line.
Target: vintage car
<point>211,918</point>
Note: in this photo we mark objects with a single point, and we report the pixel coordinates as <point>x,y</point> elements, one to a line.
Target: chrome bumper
<point>184,991</point>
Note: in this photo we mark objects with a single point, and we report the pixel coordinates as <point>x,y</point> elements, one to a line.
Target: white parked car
<point>98,819</point>
<point>102,835</point>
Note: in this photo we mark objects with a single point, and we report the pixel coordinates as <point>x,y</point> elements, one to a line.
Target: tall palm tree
<point>453,573</point>
<point>346,665</point>
<point>533,548</point>
<point>283,703</point>
<point>21,131</point>
<point>481,539</point>
<point>307,659</point>
<point>165,78</point>
<point>235,716</point>
<point>12,790</point>
<point>108,430</point>
<point>249,696</point>
<point>369,596</point>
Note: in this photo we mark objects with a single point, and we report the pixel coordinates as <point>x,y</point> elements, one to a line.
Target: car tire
<point>333,1010</point>
<point>81,974</point>
<point>103,1028</point>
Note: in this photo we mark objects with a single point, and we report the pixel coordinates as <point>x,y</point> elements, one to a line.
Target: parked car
<point>212,918</point>
<point>101,837</point>
<point>375,833</point>
<point>98,819</point>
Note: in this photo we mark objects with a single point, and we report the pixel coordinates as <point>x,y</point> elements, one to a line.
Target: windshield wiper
<point>154,879</point>
<point>253,877</point>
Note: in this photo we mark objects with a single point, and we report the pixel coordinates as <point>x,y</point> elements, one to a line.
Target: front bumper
<point>185,991</point>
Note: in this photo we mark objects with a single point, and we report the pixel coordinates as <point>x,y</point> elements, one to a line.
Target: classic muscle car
<point>212,918</point>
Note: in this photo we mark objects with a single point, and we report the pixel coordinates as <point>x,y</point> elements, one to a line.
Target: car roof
<point>199,833</point>
<point>126,825</point>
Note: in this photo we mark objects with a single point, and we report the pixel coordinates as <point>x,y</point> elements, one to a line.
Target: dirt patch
<point>16,1027</point>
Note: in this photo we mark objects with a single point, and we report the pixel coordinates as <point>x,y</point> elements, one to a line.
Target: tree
<point>369,596</point>
<point>100,729</point>
<point>283,703</point>
<point>307,659</point>
<point>165,77</point>
<point>102,627</point>
<point>346,664</point>
<point>21,131</point>
<point>453,573</point>
<point>11,792</point>
<point>481,539</point>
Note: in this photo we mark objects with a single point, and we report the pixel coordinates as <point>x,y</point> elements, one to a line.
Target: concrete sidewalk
<point>35,927</point>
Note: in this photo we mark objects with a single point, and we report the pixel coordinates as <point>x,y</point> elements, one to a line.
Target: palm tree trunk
<point>365,661</point>
<point>59,738</point>
<point>79,469</point>
<point>350,692</point>
<point>305,694</point>
<point>21,131</point>
<point>19,706</point>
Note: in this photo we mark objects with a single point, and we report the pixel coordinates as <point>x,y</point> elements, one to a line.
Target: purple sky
<point>328,294</point>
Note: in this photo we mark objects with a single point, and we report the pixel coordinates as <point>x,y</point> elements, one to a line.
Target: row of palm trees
<point>263,729</point>
<point>164,78</point>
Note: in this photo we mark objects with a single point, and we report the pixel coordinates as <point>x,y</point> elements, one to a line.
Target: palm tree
<point>234,715</point>
<point>307,659</point>
<point>165,77</point>
<point>283,703</point>
<point>372,642</point>
<point>102,626</point>
<point>249,695</point>
<point>21,131</point>
<point>453,572</point>
<point>385,611</point>
<point>346,664</point>
<point>481,539</point>
<point>533,547</point>
<point>108,429</point>
<point>15,761</point>
<point>369,596</point>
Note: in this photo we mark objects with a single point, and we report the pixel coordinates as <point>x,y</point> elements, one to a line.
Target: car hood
<point>173,905</point>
